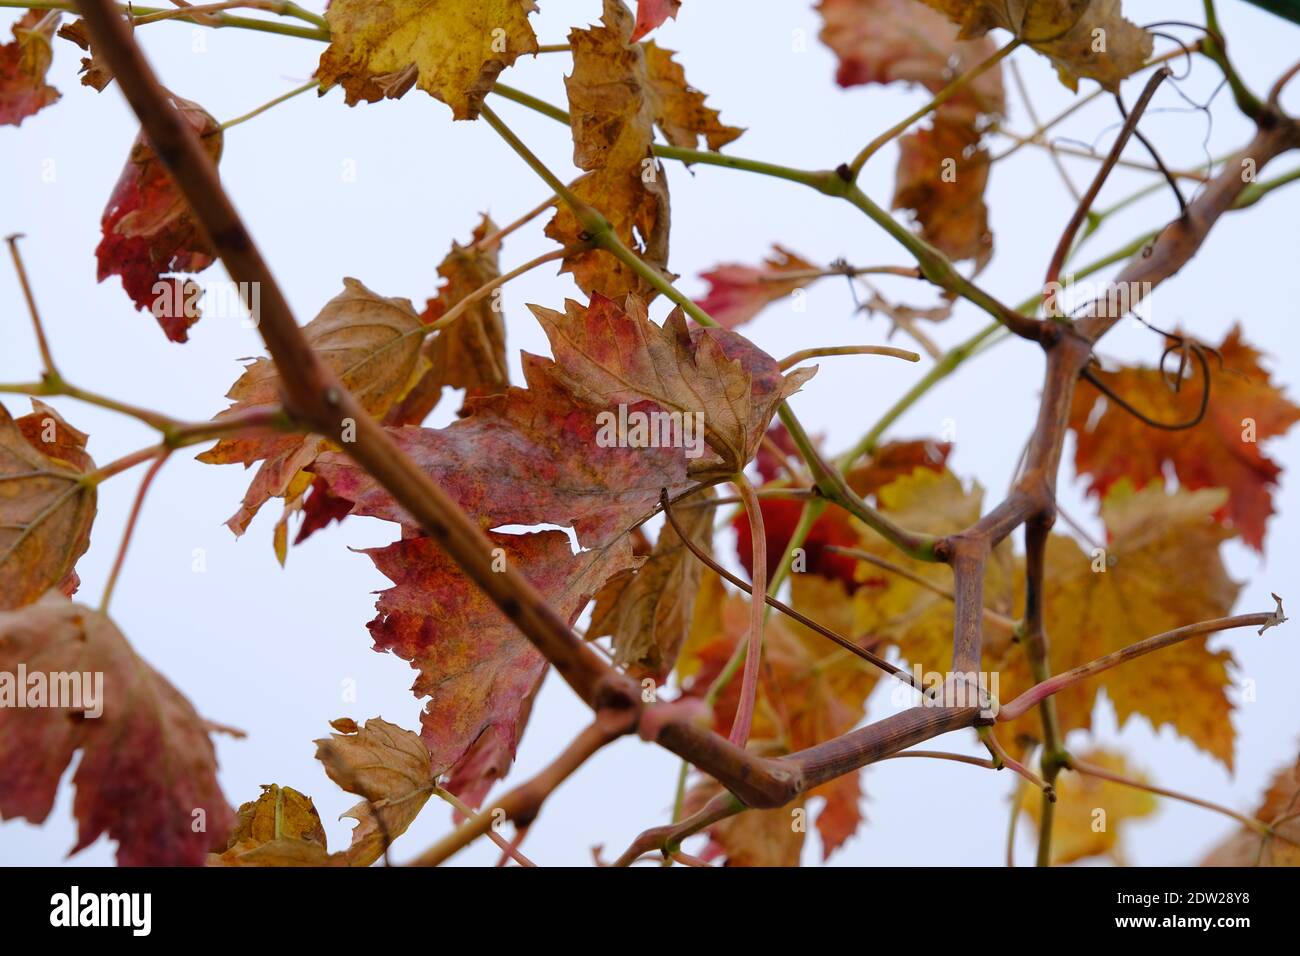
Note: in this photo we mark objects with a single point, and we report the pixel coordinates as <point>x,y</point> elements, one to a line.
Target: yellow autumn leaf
<point>452,49</point>
<point>1091,812</point>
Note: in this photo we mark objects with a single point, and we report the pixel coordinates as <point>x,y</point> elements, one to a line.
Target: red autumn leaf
<point>739,292</point>
<point>780,515</point>
<point>476,667</point>
<point>895,459</point>
<point>526,456</point>
<point>148,230</point>
<point>609,357</point>
<point>650,14</point>
<point>147,774</point>
<point>320,507</point>
<point>23,64</point>
<point>1223,451</point>
<point>887,41</point>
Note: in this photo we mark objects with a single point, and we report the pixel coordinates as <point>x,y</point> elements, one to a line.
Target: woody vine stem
<point>314,399</point>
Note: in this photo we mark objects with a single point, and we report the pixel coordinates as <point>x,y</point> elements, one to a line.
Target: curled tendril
<point>1183,347</point>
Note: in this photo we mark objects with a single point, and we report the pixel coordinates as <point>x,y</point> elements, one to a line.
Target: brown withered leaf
<point>24,63</point>
<point>1091,813</point>
<point>1083,38</point>
<point>526,456</point>
<point>1280,809</point>
<point>471,352</point>
<point>148,772</point>
<point>371,342</point>
<point>739,292</point>
<point>390,768</point>
<point>890,41</point>
<point>452,49</point>
<point>679,108</point>
<point>610,356</point>
<point>942,172</point>
<point>648,611</point>
<point>46,511</point>
<point>611,114</point>
<point>281,828</point>
<point>478,671</point>
<point>1222,451</point>
<point>95,73</point>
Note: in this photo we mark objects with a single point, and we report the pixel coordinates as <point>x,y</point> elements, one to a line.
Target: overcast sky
<point>378,192</point>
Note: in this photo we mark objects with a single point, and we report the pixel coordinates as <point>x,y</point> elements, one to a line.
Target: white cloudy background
<point>269,650</point>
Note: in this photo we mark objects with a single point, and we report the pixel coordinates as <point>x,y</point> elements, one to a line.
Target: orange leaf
<point>23,65</point>
<point>1223,451</point>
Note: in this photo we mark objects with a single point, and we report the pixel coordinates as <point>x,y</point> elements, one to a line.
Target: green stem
<point>222,19</point>
<point>945,94</point>
<point>1214,47</point>
<point>270,103</point>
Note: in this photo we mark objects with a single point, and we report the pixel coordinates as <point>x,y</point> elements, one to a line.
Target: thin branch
<point>1053,685</point>
<point>459,309</point>
<point>758,591</point>
<point>990,615</point>
<point>508,849</point>
<point>1101,773</point>
<point>160,459</point>
<point>47,358</point>
<point>1081,209</point>
<point>945,94</point>
<point>794,358</point>
<point>844,642</point>
<point>667,839</point>
<point>522,804</point>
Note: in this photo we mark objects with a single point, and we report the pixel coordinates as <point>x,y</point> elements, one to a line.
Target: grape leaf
<point>46,511</point>
<point>611,114</point>
<point>942,172</point>
<point>24,62</point>
<point>609,356</point>
<point>648,611</point>
<point>281,828</point>
<point>678,107</point>
<point>372,343</point>
<point>739,292</point>
<point>476,668</point>
<point>1223,451</point>
<point>148,230</point>
<point>147,775</point>
<point>888,41</point>
<point>650,14</point>
<point>390,768</point>
<point>95,73</point>
<point>452,49</point>
<point>1091,814</point>
<point>1083,38</point>
<point>895,459</point>
<point>1280,808</point>
<point>780,517</point>
<point>471,352</point>
<point>526,456</point>
<point>1162,570</point>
